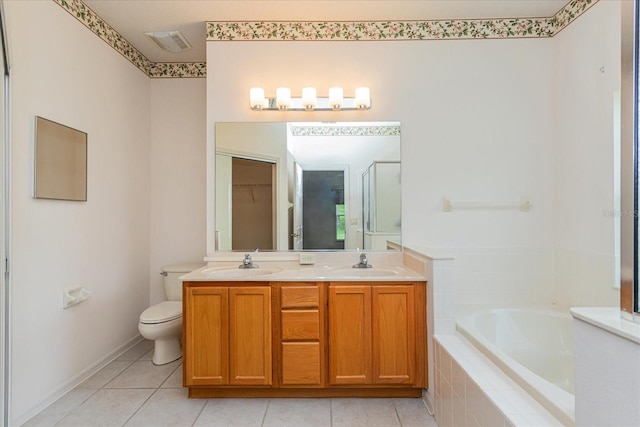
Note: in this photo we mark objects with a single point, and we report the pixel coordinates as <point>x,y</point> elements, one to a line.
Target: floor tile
<point>233,413</point>
<point>413,412</point>
<point>298,413</point>
<point>135,352</point>
<point>168,407</point>
<point>105,375</point>
<point>143,374</point>
<point>106,408</point>
<point>355,412</point>
<point>60,408</point>
<point>148,355</point>
<point>174,380</point>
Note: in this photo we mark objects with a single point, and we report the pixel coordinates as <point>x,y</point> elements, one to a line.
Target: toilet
<point>162,322</point>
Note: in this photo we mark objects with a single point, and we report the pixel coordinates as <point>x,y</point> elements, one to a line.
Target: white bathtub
<point>534,347</point>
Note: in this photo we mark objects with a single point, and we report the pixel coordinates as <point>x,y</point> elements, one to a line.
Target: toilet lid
<point>163,312</point>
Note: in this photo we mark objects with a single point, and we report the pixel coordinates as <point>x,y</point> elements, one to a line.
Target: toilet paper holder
<point>73,296</point>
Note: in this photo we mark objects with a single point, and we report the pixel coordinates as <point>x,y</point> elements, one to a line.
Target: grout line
<point>395,408</point>
<point>331,412</point>
<point>200,413</point>
<point>264,417</point>
<point>140,407</point>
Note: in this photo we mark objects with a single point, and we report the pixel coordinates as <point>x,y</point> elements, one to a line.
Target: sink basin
<point>239,273</point>
<point>363,272</point>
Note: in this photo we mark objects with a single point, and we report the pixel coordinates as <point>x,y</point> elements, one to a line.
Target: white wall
<point>178,169</point>
<point>476,125</point>
<point>60,71</point>
<point>585,75</point>
<point>607,385</point>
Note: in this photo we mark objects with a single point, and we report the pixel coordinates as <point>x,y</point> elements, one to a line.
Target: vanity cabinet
<point>372,334</point>
<point>304,339</point>
<point>227,335</point>
<point>302,321</point>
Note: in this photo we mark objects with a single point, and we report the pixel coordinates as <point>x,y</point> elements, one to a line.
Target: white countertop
<point>609,319</point>
<point>288,271</point>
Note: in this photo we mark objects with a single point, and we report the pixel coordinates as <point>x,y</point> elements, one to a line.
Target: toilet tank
<point>171,281</point>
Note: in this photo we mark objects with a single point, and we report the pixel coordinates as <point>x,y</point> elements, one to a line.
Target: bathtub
<point>532,346</point>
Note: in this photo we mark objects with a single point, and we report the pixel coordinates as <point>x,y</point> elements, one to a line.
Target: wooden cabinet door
<point>206,336</point>
<point>349,334</point>
<point>393,334</point>
<point>250,335</point>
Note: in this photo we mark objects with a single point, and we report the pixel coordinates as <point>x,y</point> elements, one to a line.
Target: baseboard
<point>75,381</point>
<point>428,400</point>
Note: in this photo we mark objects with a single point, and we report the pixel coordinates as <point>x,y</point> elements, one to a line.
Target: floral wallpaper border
<point>91,20</point>
<point>329,31</point>
<point>398,30</point>
<point>345,130</point>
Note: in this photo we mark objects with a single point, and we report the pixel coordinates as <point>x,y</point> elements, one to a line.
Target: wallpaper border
<point>329,31</point>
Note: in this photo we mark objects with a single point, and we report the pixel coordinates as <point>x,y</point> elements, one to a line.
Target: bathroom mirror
<point>307,186</point>
<point>60,162</point>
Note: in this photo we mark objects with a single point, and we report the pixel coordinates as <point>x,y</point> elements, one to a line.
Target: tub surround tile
<point>586,279</point>
<point>491,398</point>
<point>458,379</point>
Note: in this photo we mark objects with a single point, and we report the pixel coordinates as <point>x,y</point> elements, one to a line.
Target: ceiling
<point>131,18</point>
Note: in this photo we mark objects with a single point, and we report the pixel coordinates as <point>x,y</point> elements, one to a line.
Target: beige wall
<point>585,80</point>
<point>477,124</point>
<point>60,71</point>
<point>177,165</point>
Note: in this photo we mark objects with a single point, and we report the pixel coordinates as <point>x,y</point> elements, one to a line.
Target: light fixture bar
<point>309,102</point>
<point>322,104</point>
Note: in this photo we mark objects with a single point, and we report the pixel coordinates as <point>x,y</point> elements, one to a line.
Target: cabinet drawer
<point>300,325</point>
<point>300,363</point>
<point>300,296</point>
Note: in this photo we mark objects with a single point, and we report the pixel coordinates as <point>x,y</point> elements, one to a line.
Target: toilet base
<point>166,351</point>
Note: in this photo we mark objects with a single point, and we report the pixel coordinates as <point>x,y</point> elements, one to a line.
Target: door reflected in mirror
<point>307,186</point>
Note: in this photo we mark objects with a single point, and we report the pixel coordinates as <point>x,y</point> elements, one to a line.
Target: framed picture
<point>60,162</point>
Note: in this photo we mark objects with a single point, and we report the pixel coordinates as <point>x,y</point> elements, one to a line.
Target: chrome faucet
<point>364,262</point>
<point>247,262</point>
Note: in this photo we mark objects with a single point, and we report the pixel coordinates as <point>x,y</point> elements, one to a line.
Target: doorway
<point>245,203</point>
<point>252,194</point>
<point>323,209</point>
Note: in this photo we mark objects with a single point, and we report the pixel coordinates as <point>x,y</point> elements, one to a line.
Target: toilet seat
<point>161,313</point>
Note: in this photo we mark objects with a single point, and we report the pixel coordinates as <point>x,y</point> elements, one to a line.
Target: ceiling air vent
<point>173,41</point>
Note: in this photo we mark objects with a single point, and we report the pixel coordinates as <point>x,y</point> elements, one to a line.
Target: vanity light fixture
<point>257,99</point>
<point>283,98</point>
<point>309,101</point>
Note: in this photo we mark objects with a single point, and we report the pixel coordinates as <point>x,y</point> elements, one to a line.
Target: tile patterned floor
<point>131,391</point>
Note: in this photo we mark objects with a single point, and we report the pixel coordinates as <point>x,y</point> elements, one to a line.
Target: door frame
<point>5,227</point>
